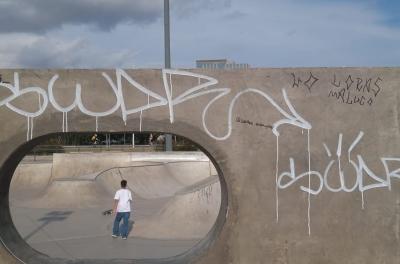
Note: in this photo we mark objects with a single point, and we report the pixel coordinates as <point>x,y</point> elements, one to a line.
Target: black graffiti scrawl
<point>306,81</point>
<point>355,90</point>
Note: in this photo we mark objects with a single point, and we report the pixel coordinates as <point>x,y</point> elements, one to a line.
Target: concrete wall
<point>309,158</point>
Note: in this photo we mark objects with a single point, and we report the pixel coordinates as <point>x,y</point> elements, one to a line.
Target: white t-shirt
<point>124,198</point>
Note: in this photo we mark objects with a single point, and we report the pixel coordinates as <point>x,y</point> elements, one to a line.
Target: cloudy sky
<point>263,33</point>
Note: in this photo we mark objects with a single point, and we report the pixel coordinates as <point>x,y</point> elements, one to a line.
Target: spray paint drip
<point>29,131</point>
<point>276,178</point>
<point>309,183</point>
<point>140,123</point>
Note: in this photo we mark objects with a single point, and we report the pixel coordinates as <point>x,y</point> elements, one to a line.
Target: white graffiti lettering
<point>361,171</point>
<point>204,83</point>
<point>358,178</point>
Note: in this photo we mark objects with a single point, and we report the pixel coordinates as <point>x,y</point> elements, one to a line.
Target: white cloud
<point>285,33</point>
<point>30,51</point>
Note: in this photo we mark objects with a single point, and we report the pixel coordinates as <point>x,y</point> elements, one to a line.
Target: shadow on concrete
<point>54,216</point>
<point>130,226</point>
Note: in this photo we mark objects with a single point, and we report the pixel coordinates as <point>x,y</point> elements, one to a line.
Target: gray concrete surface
<point>176,202</point>
<point>348,116</point>
<point>85,233</point>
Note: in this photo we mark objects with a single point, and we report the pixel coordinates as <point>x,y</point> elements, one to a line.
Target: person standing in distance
<point>122,211</point>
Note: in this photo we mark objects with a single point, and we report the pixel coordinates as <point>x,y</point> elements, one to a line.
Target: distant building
<point>221,64</point>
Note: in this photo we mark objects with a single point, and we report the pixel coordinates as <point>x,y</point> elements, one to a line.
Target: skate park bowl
<point>307,158</point>
<point>56,200</point>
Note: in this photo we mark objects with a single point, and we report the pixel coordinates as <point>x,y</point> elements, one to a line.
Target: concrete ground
<point>86,233</point>
<point>164,225</point>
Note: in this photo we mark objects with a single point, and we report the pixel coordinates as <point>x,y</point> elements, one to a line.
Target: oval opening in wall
<point>62,193</point>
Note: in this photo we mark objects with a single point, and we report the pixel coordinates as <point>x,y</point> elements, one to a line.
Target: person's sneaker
<point>124,238</point>
<point>114,236</point>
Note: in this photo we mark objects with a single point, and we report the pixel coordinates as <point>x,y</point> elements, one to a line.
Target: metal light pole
<point>168,137</point>
<point>167,35</point>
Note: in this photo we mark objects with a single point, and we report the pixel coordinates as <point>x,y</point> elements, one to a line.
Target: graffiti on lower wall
<point>352,183</point>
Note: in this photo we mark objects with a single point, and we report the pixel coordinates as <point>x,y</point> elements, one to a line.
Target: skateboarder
<point>122,210</point>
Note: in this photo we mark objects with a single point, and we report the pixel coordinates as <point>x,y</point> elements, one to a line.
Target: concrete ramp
<point>186,216</point>
<point>199,186</point>
<point>190,172</point>
<point>146,178</point>
<point>175,201</point>
<point>148,182</point>
<point>30,180</point>
<point>156,180</point>
<point>71,165</point>
<point>72,194</point>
